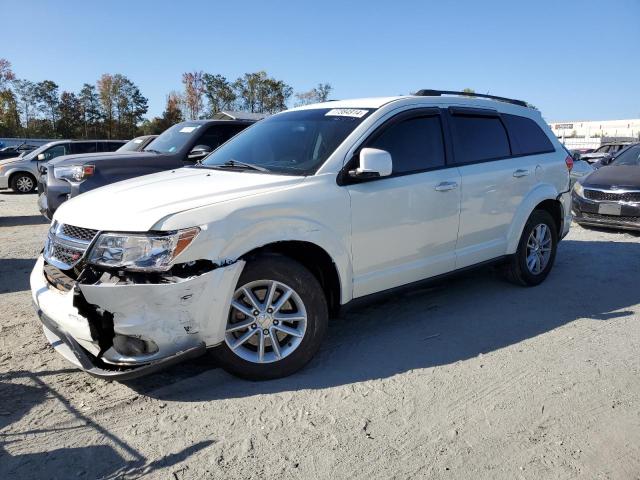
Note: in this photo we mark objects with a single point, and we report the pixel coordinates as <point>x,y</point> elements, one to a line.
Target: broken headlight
<point>140,251</point>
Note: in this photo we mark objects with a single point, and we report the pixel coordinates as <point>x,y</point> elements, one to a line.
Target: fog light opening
<point>132,346</point>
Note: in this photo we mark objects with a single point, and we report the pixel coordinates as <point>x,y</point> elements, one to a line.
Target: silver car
<point>20,173</point>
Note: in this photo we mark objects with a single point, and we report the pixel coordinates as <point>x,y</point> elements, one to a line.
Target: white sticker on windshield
<point>346,112</point>
<point>188,129</point>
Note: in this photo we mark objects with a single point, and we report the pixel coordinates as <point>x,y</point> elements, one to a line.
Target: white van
<point>250,252</point>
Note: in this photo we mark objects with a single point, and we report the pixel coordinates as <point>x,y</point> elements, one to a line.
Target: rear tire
<point>536,251</point>
<point>23,183</point>
<point>258,318</point>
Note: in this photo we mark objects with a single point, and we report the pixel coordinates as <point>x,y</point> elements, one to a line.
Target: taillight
<point>569,162</point>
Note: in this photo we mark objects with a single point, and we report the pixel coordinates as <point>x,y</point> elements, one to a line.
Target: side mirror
<point>41,157</point>
<point>199,152</point>
<point>373,163</point>
<point>607,159</point>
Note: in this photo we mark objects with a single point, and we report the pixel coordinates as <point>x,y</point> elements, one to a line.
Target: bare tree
<point>318,94</point>
<point>6,74</point>
<point>193,93</point>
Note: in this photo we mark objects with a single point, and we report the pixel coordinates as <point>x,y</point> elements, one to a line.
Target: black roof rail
<point>437,93</point>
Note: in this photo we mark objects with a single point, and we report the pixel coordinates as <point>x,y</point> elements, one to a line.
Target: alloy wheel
<point>24,184</point>
<point>539,248</point>
<point>267,321</point>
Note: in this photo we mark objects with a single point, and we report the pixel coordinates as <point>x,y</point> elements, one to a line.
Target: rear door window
<point>415,144</point>
<point>83,147</point>
<point>526,135</point>
<point>479,138</point>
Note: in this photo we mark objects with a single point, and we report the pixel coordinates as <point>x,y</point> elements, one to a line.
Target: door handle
<point>446,186</point>
<point>520,173</point>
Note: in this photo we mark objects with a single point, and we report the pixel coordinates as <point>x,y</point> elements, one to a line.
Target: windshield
<point>291,143</point>
<point>174,138</point>
<point>131,145</point>
<point>38,151</point>
<point>630,156</point>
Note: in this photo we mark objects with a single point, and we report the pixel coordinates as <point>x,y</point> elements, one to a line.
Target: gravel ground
<point>474,378</point>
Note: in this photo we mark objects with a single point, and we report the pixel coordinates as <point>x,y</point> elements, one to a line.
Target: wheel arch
<point>313,257</point>
<point>544,197</point>
<point>14,173</point>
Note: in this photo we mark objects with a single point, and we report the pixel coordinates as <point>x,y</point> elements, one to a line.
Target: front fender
<point>283,229</point>
<point>539,194</point>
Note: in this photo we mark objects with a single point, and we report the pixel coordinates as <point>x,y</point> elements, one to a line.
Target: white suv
<point>253,250</point>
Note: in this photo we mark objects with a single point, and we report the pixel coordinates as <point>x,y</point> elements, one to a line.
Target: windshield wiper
<point>241,165</point>
<point>153,151</point>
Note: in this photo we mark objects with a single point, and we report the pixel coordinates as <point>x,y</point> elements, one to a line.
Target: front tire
<point>536,251</point>
<point>23,183</point>
<point>277,320</point>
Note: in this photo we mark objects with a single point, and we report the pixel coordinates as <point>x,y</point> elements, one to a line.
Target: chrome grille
<point>67,244</point>
<point>612,196</point>
<point>84,234</point>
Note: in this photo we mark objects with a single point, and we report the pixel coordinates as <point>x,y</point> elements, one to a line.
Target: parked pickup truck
<point>250,252</point>
<point>183,144</point>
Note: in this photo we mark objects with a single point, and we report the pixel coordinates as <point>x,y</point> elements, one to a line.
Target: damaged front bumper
<point>179,317</point>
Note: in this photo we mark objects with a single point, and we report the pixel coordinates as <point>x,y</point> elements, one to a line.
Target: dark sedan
<point>183,144</point>
<point>610,196</point>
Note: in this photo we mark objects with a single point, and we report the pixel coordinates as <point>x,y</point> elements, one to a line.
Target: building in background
<point>581,134</point>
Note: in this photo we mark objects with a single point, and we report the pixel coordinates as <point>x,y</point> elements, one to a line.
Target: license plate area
<point>610,209</point>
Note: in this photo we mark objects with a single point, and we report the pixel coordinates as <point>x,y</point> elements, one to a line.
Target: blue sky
<point>574,60</point>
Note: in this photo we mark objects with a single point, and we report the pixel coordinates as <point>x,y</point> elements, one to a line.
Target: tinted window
<point>479,138</point>
<point>215,136</point>
<point>414,144</point>
<point>83,147</point>
<point>528,137</point>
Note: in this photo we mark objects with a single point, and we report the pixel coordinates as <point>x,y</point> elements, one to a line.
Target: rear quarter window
<point>526,135</point>
<point>479,138</point>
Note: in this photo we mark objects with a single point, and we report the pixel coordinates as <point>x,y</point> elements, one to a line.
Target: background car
<point>610,197</point>
<point>578,152</point>
<point>184,143</point>
<point>602,151</point>
<point>610,158</point>
<point>20,173</point>
<point>16,150</point>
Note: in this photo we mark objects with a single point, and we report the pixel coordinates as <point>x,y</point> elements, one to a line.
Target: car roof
<point>436,101</point>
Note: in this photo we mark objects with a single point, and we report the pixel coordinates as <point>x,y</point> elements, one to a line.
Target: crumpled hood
<point>136,205</point>
<point>90,158</point>
<point>614,176</point>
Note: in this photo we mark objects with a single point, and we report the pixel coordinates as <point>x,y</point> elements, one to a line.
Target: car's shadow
<point>113,458</point>
<point>14,274</point>
<point>453,321</point>
<point>22,220</point>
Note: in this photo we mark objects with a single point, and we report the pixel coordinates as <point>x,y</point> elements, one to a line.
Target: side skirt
<point>360,302</point>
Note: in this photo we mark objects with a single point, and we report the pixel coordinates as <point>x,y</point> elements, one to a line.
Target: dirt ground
<point>472,379</point>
